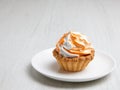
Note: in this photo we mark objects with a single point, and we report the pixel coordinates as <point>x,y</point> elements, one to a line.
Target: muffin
<point>73,52</point>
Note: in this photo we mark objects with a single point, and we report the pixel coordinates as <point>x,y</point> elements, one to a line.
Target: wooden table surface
<point>29,26</point>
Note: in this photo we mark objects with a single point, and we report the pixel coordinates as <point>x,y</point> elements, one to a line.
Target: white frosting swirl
<point>66,45</point>
<point>73,45</point>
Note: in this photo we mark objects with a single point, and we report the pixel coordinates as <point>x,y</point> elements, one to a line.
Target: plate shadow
<point>37,77</point>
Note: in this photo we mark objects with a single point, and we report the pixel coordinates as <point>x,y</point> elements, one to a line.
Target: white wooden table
<point>29,26</point>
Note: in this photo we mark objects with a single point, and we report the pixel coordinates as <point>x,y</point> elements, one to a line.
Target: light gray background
<point>29,26</point>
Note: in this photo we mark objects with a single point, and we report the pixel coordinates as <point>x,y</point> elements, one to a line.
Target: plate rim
<point>75,80</point>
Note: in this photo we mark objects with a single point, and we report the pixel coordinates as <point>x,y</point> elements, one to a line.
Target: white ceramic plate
<point>45,63</point>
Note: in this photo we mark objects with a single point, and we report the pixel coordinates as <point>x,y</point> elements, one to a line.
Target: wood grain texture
<point>29,26</point>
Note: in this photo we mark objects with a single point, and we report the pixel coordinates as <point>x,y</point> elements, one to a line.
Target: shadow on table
<point>36,76</point>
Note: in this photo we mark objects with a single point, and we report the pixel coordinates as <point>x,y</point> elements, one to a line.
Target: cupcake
<point>73,52</point>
